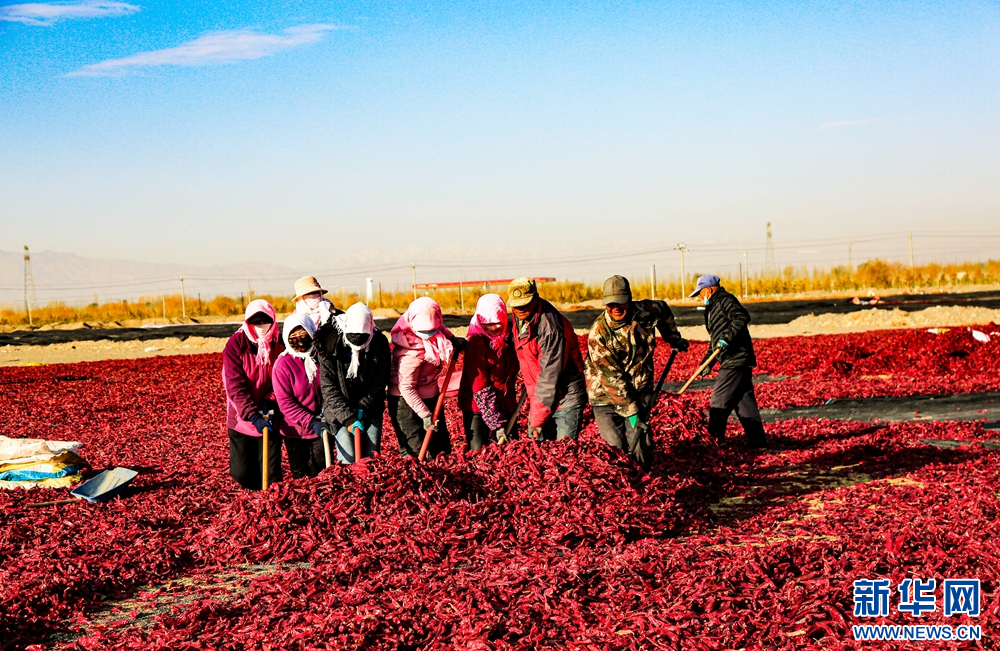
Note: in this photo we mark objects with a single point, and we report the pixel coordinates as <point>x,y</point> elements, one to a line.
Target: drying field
<point>564,545</point>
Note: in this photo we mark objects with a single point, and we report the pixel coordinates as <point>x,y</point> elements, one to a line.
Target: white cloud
<point>48,14</point>
<point>836,124</point>
<point>210,49</point>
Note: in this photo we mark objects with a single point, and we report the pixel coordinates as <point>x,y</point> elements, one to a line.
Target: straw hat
<point>307,285</point>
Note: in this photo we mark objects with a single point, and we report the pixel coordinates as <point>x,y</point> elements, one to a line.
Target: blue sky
<point>307,133</point>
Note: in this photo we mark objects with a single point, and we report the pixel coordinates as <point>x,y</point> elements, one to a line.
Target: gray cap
<point>708,280</point>
<point>617,290</point>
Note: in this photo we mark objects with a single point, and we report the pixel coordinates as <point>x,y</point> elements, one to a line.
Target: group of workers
<point>330,371</point>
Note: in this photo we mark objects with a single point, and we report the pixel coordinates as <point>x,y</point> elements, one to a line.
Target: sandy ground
<point>873,319</point>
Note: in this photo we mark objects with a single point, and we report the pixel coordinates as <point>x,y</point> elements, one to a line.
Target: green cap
<point>617,290</point>
<point>521,292</point>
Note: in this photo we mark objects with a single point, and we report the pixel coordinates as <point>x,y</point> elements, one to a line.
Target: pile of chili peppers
<point>564,545</point>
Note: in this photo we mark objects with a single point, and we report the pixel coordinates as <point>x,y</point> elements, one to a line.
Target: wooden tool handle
<point>437,408</point>
<point>700,369</point>
<point>52,503</point>
<point>326,446</point>
<point>263,473</point>
<point>517,412</point>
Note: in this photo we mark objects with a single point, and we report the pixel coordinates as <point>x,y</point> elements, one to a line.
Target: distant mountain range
<point>77,280</point>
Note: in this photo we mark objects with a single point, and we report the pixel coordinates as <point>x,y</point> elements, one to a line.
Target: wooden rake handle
<point>700,369</point>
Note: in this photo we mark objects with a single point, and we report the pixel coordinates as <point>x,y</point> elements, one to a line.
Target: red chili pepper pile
<point>565,545</point>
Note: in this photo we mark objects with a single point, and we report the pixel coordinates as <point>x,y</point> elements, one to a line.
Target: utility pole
<point>461,295</point>
<point>770,266</point>
<point>746,274</point>
<point>164,298</point>
<point>380,303</point>
<point>29,286</point>
<point>850,261</point>
<point>249,291</point>
<point>368,292</point>
<point>413,268</point>
<point>682,248</point>
<point>652,277</point>
<point>911,251</point>
<point>184,312</point>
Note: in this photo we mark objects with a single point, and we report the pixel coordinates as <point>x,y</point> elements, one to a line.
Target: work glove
<point>361,415</point>
<point>356,425</point>
<point>317,426</point>
<point>501,436</point>
<point>722,344</point>
<point>708,369</point>
<point>681,345</point>
<point>259,423</point>
<point>535,433</point>
<point>460,343</point>
<point>429,423</point>
<point>647,400</point>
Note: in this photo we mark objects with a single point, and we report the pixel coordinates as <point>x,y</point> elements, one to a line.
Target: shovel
<point>663,375</point>
<point>357,444</point>
<point>263,474</point>
<point>437,408</point>
<point>513,419</point>
<point>100,488</point>
<point>326,446</point>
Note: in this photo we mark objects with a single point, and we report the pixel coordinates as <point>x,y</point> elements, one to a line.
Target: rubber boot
<point>754,429</point>
<point>717,419</point>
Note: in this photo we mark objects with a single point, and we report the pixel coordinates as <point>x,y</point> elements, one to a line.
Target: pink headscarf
<point>263,347</point>
<point>424,314</point>
<point>490,309</point>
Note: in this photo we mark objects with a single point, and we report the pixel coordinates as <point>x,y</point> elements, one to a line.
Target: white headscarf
<point>309,357</point>
<point>356,320</point>
<point>320,314</point>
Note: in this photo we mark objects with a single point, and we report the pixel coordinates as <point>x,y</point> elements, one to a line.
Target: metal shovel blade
<point>105,486</point>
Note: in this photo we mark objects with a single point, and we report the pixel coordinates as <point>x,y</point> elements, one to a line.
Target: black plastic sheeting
<point>912,409</point>
<point>762,313</point>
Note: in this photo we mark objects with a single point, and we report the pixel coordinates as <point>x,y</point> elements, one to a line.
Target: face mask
<point>262,330</point>
<point>429,334</point>
<point>311,302</point>
<point>357,338</point>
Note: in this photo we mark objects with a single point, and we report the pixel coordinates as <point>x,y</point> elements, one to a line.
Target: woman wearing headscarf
<point>247,363</point>
<point>487,394</point>
<point>296,387</point>
<point>421,350</point>
<point>354,371</point>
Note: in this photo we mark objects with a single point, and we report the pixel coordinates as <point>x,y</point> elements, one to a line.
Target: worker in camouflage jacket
<point>619,366</point>
<point>726,321</point>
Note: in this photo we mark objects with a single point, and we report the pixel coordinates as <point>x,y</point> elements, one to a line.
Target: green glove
<point>633,419</point>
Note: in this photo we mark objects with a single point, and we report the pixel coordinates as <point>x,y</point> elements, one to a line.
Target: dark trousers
<point>306,457</point>
<point>734,390</point>
<point>617,431</point>
<point>246,459</point>
<point>410,428</point>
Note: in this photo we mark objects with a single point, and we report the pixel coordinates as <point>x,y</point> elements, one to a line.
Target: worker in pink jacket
<point>247,364</point>
<point>297,389</point>
<point>421,350</point>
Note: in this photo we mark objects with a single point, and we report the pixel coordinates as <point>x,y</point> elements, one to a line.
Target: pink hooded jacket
<point>246,371</point>
<point>417,363</point>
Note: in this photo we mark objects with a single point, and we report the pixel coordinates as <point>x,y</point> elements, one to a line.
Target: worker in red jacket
<point>551,364</point>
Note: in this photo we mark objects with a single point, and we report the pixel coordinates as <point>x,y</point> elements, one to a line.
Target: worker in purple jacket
<point>297,389</point>
<point>247,362</point>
